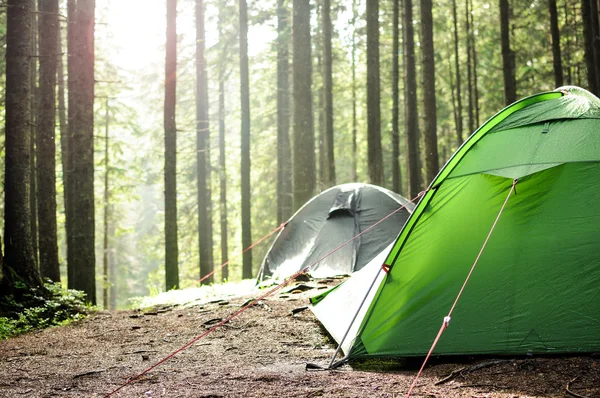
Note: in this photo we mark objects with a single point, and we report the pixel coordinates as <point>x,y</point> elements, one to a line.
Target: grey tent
<point>327,221</point>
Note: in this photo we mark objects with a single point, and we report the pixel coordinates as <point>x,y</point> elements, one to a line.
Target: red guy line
<point>255,301</point>
<point>447,318</point>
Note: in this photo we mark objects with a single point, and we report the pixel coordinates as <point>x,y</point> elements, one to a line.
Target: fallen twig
<point>91,372</point>
<point>470,369</point>
<point>451,376</point>
<point>571,393</point>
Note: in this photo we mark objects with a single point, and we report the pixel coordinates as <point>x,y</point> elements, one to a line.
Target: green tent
<point>536,287</point>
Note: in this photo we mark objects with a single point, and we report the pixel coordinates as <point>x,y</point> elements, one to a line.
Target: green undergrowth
<point>32,309</point>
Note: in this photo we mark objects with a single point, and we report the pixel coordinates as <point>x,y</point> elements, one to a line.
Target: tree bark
<point>328,93</point>
<point>46,148</point>
<point>171,245</point>
<point>508,59</point>
<point>81,133</point>
<point>475,86</point>
<point>284,152</point>
<point>396,172</point>
<point>410,96</point>
<point>64,133</point>
<point>202,134</point>
<point>374,153</point>
<point>595,41</point>
<point>556,56</point>
<point>33,131</point>
<point>429,103</point>
<point>222,158</point>
<point>459,120</point>
<point>105,247</point>
<point>245,155</point>
<point>469,63</point>
<point>354,121</point>
<point>19,260</point>
<point>304,141</point>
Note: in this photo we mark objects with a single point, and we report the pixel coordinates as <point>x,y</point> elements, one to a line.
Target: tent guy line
<point>280,227</point>
<point>257,300</point>
<point>448,317</point>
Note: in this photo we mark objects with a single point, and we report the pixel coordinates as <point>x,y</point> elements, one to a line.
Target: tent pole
<point>339,347</point>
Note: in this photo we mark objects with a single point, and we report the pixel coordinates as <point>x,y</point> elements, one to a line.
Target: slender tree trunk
<point>556,57</point>
<point>245,155</point>
<point>374,153</point>
<point>46,148</point>
<point>33,132</point>
<point>105,248</point>
<point>202,133</point>
<point>171,246</point>
<point>453,97</point>
<point>320,111</point>
<point>508,64</point>
<point>284,152</point>
<point>112,267</point>
<point>19,259</point>
<point>469,63</point>
<point>328,92</point>
<point>568,46</point>
<point>475,86</point>
<point>429,103</point>
<point>354,121</point>
<point>595,41</point>
<point>410,96</point>
<point>396,172</point>
<point>81,132</point>
<point>304,140</point>
<point>64,131</point>
<point>459,120</point>
<point>222,163</point>
<point>68,170</point>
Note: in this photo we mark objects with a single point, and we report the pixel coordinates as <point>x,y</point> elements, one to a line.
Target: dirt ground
<point>261,353</point>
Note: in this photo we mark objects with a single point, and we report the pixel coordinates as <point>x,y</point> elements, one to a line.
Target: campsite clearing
<point>261,353</point>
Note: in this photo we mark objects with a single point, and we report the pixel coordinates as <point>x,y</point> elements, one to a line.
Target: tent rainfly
<point>329,220</point>
<point>536,286</point>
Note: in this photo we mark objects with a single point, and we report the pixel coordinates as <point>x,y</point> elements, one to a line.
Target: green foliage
<point>32,309</point>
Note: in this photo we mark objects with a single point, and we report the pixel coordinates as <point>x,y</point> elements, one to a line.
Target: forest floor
<point>263,352</point>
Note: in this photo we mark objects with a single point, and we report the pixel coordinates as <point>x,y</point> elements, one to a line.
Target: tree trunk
<point>469,63</point>
<point>328,93</point>
<point>475,87</point>
<point>304,140</point>
<point>556,56</point>
<point>222,163</point>
<point>284,152</point>
<point>245,155</point>
<point>33,132</point>
<point>596,41</point>
<point>429,103</point>
<point>46,148</point>
<point>202,134</point>
<point>81,133</point>
<point>459,120</point>
<point>410,97</point>
<point>68,170</point>
<point>19,260</point>
<point>322,157</point>
<point>105,248</point>
<point>354,121</point>
<point>64,133</point>
<point>508,60</point>
<point>374,153</point>
<point>396,172</point>
<point>171,246</point>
